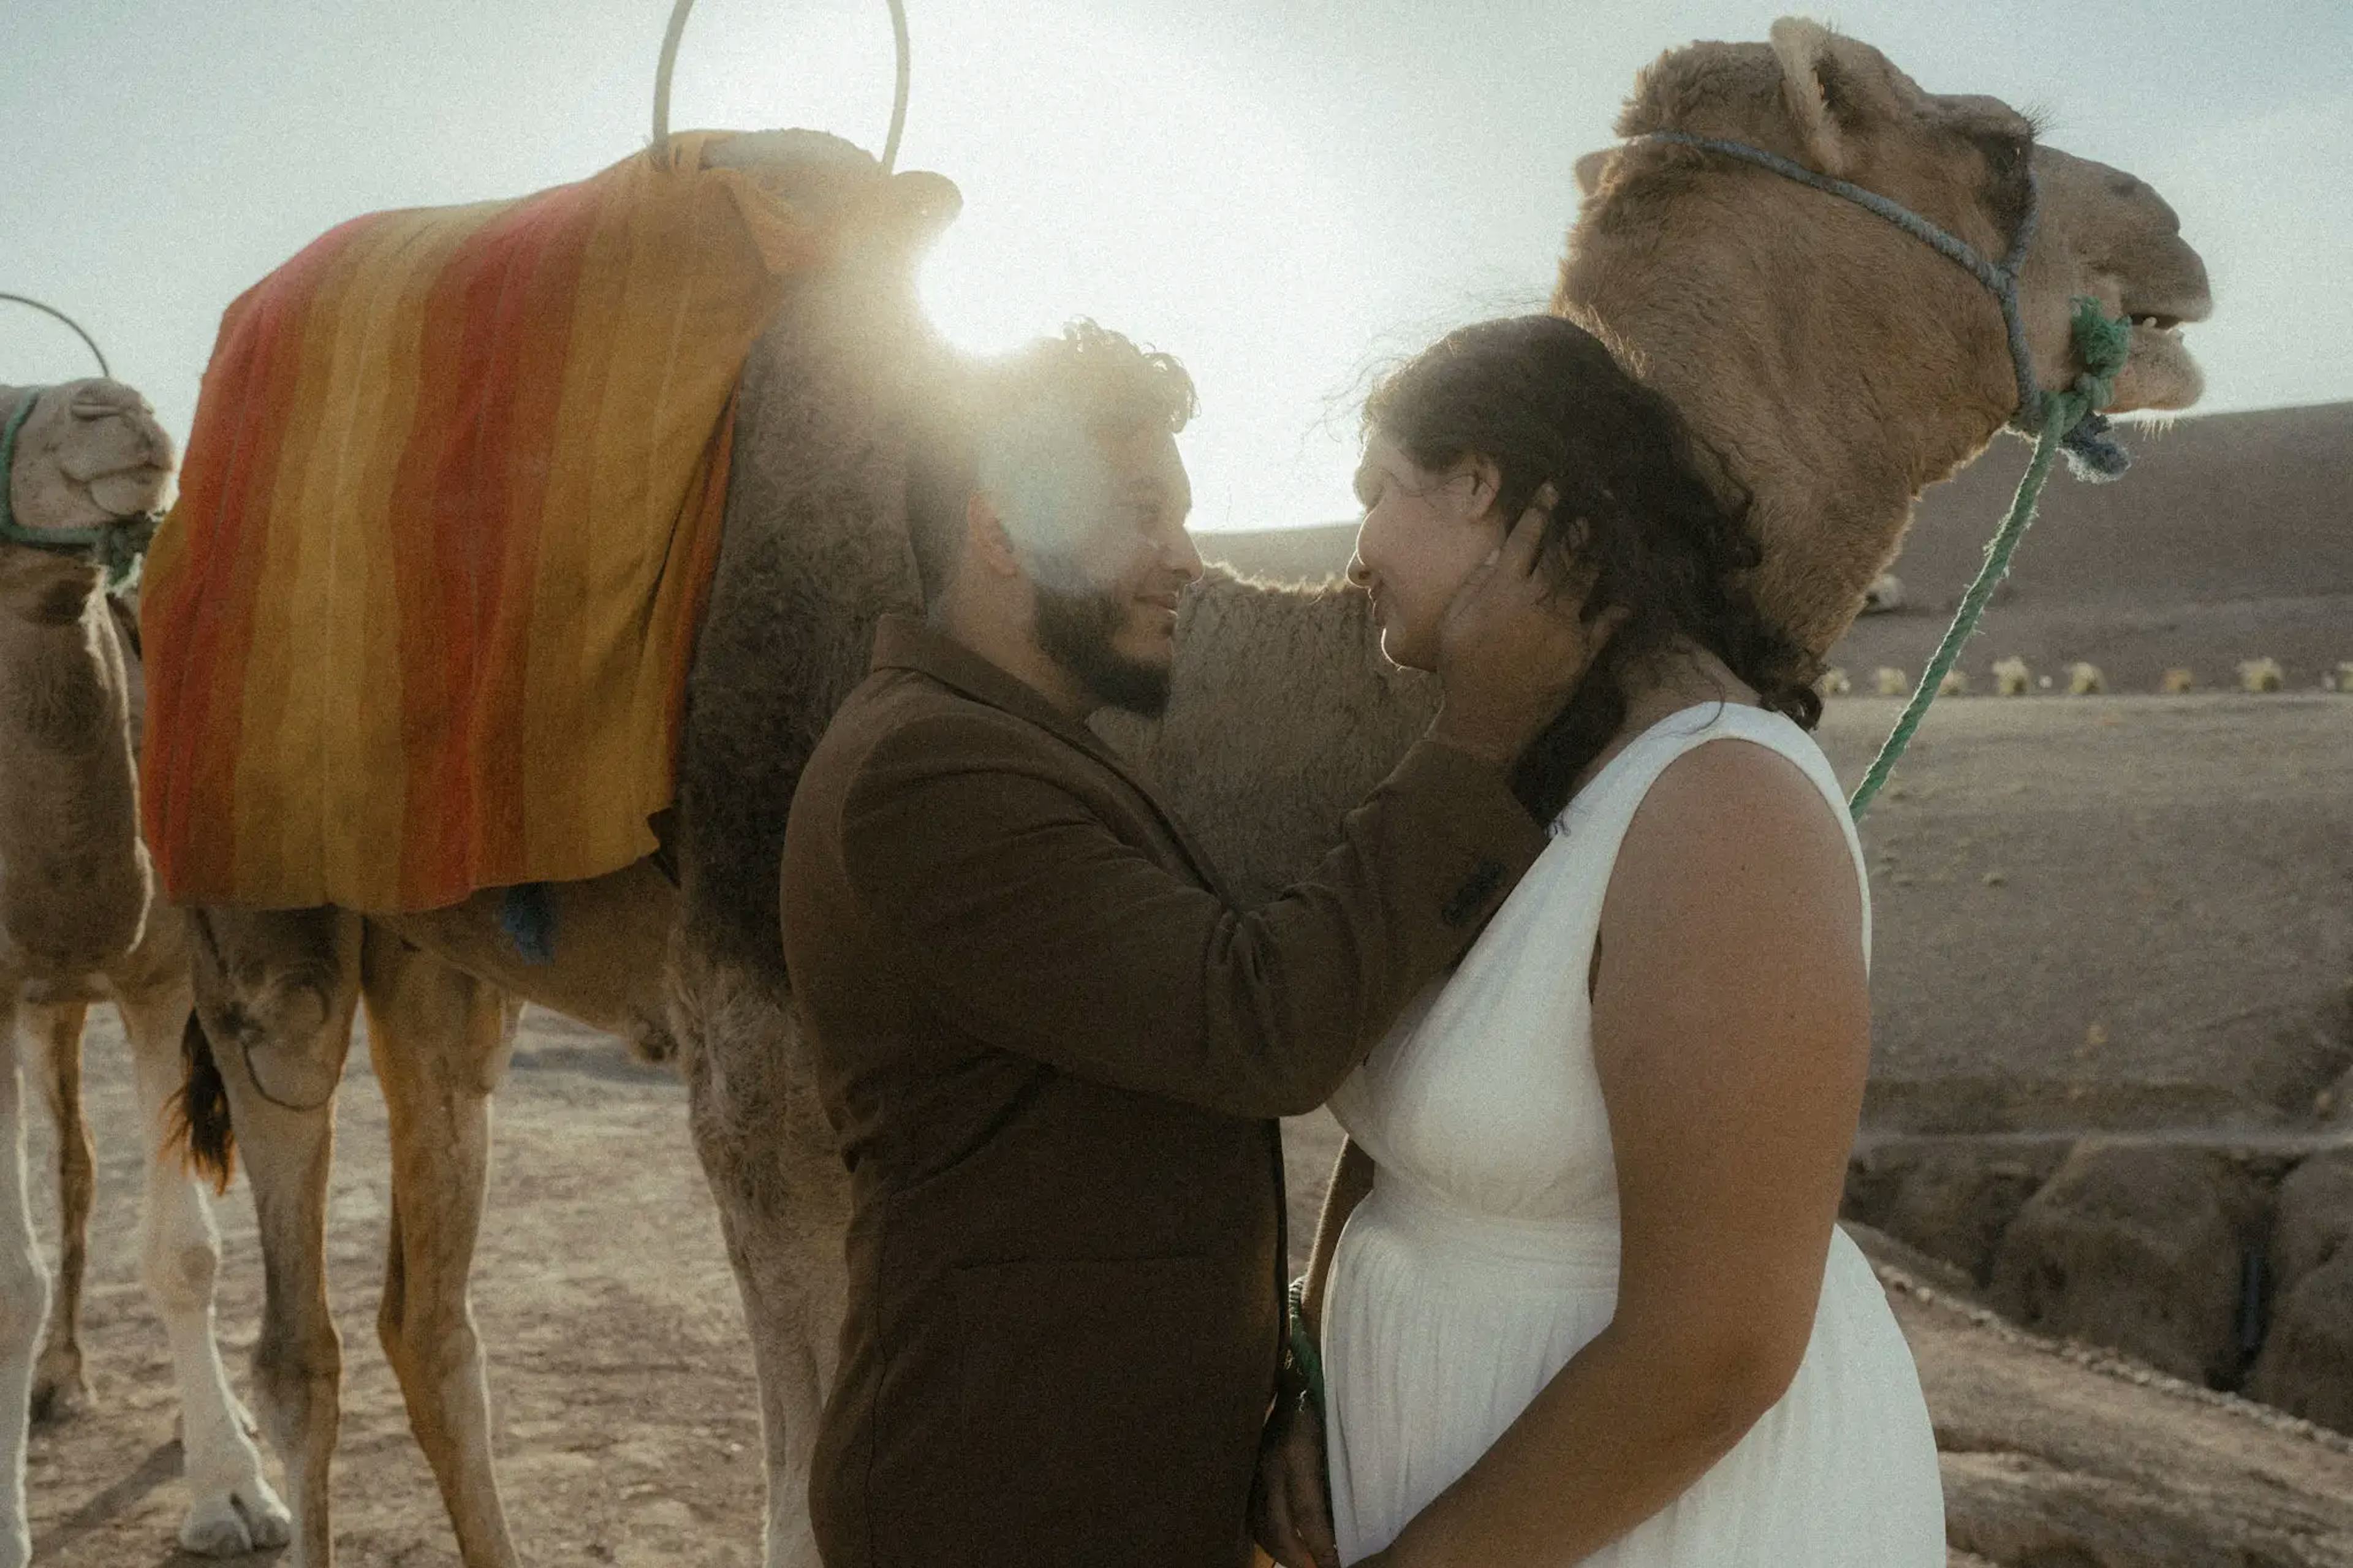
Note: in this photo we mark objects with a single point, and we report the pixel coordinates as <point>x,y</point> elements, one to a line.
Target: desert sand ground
<point>2158,864</point>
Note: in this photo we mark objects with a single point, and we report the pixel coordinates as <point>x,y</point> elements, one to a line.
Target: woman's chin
<point>1400,651</point>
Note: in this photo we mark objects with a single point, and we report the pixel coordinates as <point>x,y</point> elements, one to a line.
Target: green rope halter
<point>116,548</point>
<point>2101,345</point>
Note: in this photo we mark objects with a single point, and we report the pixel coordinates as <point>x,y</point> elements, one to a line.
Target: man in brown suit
<point>1053,1048</point>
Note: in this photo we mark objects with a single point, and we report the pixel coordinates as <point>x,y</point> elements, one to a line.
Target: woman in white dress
<point>1581,1292</point>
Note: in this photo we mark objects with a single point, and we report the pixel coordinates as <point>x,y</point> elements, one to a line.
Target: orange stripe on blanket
<point>419,622</point>
<point>242,412</point>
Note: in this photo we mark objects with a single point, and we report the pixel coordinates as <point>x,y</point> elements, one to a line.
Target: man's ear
<point>985,542</point>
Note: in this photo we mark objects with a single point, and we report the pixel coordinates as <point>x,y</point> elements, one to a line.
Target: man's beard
<point>1076,631</point>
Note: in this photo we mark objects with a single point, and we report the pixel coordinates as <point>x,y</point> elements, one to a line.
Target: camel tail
<point>199,1113</point>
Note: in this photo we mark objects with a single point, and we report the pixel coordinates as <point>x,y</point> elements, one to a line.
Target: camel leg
<point>24,1297</point>
<point>276,991</point>
<point>784,1204</point>
<point>231,1508</point>
<point>440,1040</point>
<point>59,1389</point>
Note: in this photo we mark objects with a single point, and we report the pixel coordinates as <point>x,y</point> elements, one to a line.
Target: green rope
<point>1305,1366</point>
<point>2101,345</point>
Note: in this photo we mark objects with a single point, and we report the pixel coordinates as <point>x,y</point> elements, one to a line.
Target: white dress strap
<point>1606,806</point>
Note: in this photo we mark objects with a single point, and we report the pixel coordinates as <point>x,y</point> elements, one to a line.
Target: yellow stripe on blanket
<point>420,620</point>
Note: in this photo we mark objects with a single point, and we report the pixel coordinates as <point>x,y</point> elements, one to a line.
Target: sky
<point>1288,196</point>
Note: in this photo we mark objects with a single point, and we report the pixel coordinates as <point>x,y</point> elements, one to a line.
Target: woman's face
<point>1423,533</point>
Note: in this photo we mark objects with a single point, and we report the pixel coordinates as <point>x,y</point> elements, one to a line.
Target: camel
<point>1832,365</point>
<point>80,923</point>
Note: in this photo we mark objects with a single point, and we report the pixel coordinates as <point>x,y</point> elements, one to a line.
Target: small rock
<point>1954,1204</point>
<point>2313,1219</point>
<point>2261,675</point>
<point>1995,880</point>
<point>2307,1364</point>
<point>2137,1249</point>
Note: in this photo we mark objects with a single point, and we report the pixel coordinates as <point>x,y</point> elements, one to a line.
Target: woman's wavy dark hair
<point>1544,401</point>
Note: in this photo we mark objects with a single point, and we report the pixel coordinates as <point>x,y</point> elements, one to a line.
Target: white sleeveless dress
<point>1486,1254</point>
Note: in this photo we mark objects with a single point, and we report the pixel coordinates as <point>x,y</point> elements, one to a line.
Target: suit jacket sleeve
<point>1035,927</point>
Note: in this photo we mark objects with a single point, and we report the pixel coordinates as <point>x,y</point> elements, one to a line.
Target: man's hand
<point>1291,1504</point>
<point>1514,645</point>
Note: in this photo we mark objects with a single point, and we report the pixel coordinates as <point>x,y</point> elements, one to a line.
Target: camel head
<point>1832,364</point>
<point>886,222</point>
<point>88,454</point>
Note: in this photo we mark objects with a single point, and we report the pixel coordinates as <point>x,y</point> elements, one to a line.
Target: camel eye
<point>2007,154</point>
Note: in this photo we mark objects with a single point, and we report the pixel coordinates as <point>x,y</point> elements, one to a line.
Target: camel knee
<point>288,1367</point>
<point>180,1277</point>
<point>425,1345</point>
<point>179,1247</point>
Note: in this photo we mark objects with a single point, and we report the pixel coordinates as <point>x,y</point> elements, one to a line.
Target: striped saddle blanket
<point>419,622</point>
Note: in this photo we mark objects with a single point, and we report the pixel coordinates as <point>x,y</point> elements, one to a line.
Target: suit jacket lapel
<point>903,642</point>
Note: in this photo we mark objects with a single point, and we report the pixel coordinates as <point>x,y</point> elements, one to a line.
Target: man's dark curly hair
<point>1546,401</point>
<point>1101,376</point>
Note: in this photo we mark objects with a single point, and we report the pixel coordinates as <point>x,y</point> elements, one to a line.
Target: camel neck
<point>1826,416</point>
<point>74,880</point>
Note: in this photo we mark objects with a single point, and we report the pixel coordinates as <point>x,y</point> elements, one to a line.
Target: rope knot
<point>2101,344</point>
<point>121,549</point>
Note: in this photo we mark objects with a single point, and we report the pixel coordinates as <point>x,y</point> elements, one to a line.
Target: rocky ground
<point>2127,913</point>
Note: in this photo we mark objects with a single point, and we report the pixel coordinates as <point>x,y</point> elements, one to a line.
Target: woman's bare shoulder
<point>1730,818</point>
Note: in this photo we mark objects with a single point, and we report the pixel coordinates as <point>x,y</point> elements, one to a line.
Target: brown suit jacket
<point>1053,1051</point>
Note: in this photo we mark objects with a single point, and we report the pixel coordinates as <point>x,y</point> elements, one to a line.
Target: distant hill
<point>2230,539</point>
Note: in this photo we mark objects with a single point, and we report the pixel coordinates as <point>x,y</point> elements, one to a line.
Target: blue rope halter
<point>2067,419</point>
<point>2091,451</point>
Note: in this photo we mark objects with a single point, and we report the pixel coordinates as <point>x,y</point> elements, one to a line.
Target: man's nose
<point>1182,558</point>
<point>1359,574</point>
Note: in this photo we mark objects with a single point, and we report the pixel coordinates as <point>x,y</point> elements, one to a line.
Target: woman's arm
<point>1291,1506</point>
<point>1731,1030</point>
<point>1352,1178</point>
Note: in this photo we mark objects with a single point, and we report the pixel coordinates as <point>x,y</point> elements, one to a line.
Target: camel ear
<point>1817,90</point>
<point>1589,169</point>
